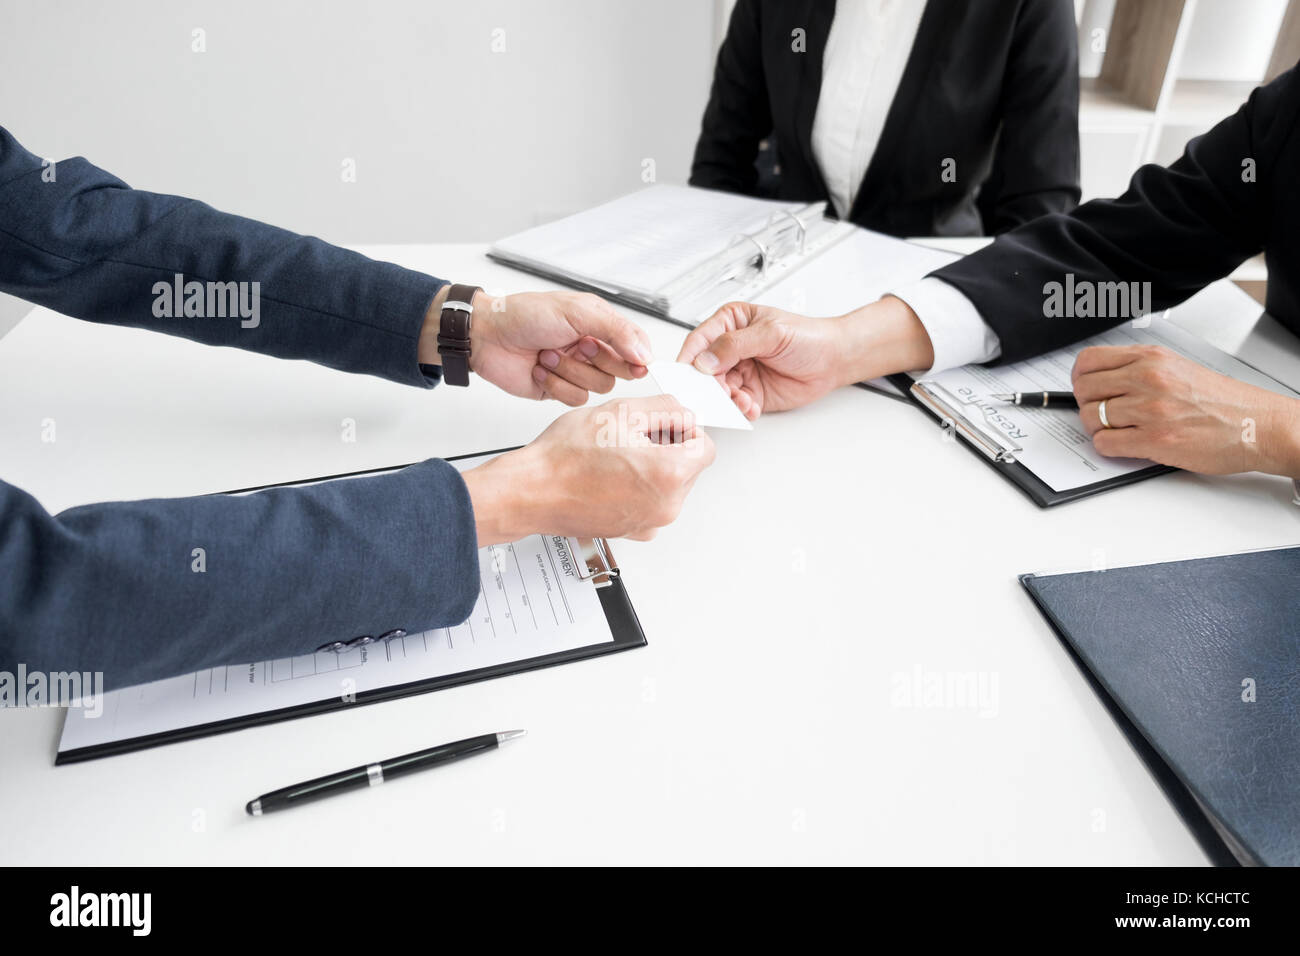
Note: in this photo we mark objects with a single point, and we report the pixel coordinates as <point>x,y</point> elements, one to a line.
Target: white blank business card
<point>702,394</point>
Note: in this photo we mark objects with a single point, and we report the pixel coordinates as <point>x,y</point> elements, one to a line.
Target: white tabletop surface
<point>828,557</point>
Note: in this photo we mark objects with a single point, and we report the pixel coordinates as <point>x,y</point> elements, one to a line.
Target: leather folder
<point>1198,662</point>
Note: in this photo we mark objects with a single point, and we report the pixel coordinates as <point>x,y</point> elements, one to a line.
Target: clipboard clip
<point>950,411</point>
<point>597,559</point>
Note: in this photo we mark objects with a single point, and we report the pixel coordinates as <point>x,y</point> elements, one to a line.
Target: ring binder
<point>798,224</point>
<point>732,248</point>
<point>763,254</point>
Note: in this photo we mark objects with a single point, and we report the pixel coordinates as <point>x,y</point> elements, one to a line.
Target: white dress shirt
<point>957,332</point>
<point>866,53</point>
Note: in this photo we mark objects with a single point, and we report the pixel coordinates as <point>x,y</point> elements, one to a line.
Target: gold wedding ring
<point>1101,413</point>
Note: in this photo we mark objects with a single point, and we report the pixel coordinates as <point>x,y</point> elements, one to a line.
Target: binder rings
<point>1198,662</point>
<point>676,252</point>
<point>593,566</point>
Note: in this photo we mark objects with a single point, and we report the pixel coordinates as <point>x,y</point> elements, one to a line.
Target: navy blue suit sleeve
<point>78,240</point>
<point>148,589</point>
<point>143,590</point>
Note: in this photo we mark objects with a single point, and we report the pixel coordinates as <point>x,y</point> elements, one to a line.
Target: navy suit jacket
<point>111,587</point>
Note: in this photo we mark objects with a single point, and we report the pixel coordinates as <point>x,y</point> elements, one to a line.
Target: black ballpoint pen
<point>1040,399</point>
<point>376,773</point>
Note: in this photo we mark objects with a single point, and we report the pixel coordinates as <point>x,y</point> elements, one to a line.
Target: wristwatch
<point>453,333</point>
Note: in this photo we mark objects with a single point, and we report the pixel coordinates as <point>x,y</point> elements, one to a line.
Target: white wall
<point>1091,15</point>
<point>452,141</point>
<point>1231,39</point>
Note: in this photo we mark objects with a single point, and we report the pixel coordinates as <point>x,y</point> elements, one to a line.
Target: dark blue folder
<point>1199,663</point>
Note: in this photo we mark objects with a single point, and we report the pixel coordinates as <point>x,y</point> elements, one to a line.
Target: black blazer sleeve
<point>738,115</point>
<point>1036,163</point>
<point>1179,227</point>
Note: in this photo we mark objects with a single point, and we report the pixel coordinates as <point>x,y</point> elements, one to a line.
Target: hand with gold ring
<point>1144,401</point>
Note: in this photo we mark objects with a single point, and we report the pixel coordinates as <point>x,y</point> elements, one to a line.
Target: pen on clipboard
<point>374,774</point>
<point>1040,399</point>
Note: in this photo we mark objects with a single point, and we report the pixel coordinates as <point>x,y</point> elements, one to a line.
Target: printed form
<point>531,603</point>
<point>1052,442</point>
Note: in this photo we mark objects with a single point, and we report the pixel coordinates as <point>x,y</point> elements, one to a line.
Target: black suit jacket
<point>1232,194</point>
<point>991,84</point>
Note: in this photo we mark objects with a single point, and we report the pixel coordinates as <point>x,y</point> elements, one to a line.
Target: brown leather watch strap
<point>453,333</point>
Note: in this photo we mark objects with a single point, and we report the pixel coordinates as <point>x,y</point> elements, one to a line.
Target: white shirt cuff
<point>958,334</point>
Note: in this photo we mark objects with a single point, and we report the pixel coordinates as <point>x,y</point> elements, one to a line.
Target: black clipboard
<point>601,568</point>
<point>1038,491</point>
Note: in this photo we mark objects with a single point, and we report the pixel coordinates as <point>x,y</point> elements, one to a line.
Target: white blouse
<point>866,54</point>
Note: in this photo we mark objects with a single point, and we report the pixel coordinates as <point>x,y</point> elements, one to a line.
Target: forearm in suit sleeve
<point>123,588</point>
<point>115,587</point>
<point>1178,227</point>
<point>80,241</point>
<point>1036,164</point>
<point>739,114</point>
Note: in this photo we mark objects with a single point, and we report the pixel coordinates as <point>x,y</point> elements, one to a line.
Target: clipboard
<point>596,563</point>
<point>1000,454</point>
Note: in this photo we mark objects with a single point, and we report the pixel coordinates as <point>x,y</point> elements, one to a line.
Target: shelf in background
<point>1100,104</point>
<point>1205,102</point>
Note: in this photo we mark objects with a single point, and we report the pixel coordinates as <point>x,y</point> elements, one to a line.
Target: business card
<point>702,394</point>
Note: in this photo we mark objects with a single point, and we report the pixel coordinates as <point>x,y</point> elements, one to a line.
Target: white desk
<point>825,557</point>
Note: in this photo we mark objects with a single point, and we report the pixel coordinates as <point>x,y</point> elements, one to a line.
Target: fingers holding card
<point>701,393</point>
